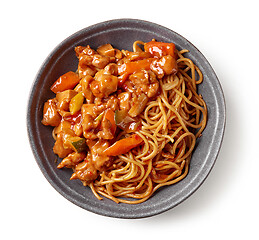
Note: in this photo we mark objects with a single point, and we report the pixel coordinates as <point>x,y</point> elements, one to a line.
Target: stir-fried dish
<point>126,122</point>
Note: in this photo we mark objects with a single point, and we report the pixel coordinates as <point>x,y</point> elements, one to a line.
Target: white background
<point>224,207</point>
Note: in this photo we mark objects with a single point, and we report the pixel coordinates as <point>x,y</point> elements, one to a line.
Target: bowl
<point>121,33</point>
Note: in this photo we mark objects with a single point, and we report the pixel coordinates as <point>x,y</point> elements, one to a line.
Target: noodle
<point>180,106</point>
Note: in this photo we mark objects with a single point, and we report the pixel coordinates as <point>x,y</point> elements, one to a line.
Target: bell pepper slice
<point>76,103</point>
<point>67,81</point>
<point>124,145</point>
<point>78,144</point>
<point>110,116</point>
<point>131,67</point>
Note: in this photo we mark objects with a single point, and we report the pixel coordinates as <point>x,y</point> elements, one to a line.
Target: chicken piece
<point>164,66</point>
<point>111,68</point>
<point>85,81</point>
<point>99,160</point>
<point>100,61</point>
<point>85,66</point>
<point>95,60</point>
<point>106,50</point>
<point>59,148</point>
<point>64,99</point>
<point>90,64</point>
<point>88,109</point>
<point>50,114</point>
<point>104,85</point>
<point>106,130</point>
<point>118,55</point>
<point>88,124</point>
<point>78,129</point>
<point>64,124</point>
<point>112,103</point>
<point>72,159</point>
<point>80,50</point>
<point>145,81</point>
<point>124,100</point>
<point>85,171</point>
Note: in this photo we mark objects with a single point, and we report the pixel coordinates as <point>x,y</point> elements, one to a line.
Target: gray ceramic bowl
<point>121,34</point>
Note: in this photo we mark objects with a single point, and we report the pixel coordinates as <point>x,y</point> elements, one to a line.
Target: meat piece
<point>59,148</point>
<point>124,100</point>
<point>111,68</point>
<point>85,81</point>
<point>99,160</point>
<point>112,103</point>
<point>100,61</point>
<point>85,66</point>
<point>145,81</point>
<point>64,124</point>
<point>84,50</point>
<point>50,114</point>
<point>82,72</point>
<point>88,123</point>
<point>104,85</point>
<point>118,55</point>
<point>72,159</point>
<point>106,130</point>
<point>89,64</point>
<point>85,171</point>
<point>88,109</point>
<point>78,129</point>
<point>89,113</point>
<point>95,60</point>
<point>106,50</point>
<point>64,99</point>
<point>164,66</point>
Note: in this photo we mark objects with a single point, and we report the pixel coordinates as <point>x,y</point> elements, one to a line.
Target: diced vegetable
<point>159,49</point>
<point>131,67</point>
<point>138,105</point>
<point>120,115</point>
<point>125,122</point>
<point>67,81</point>
<point>76,103</point>
<point>78,144</point>
<point>99,117</point>
<point>124,145</point>
<point>122,118</point>
<point>110,116</point>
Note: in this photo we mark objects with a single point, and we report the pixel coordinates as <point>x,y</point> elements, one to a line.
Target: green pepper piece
<point>78,144</point>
